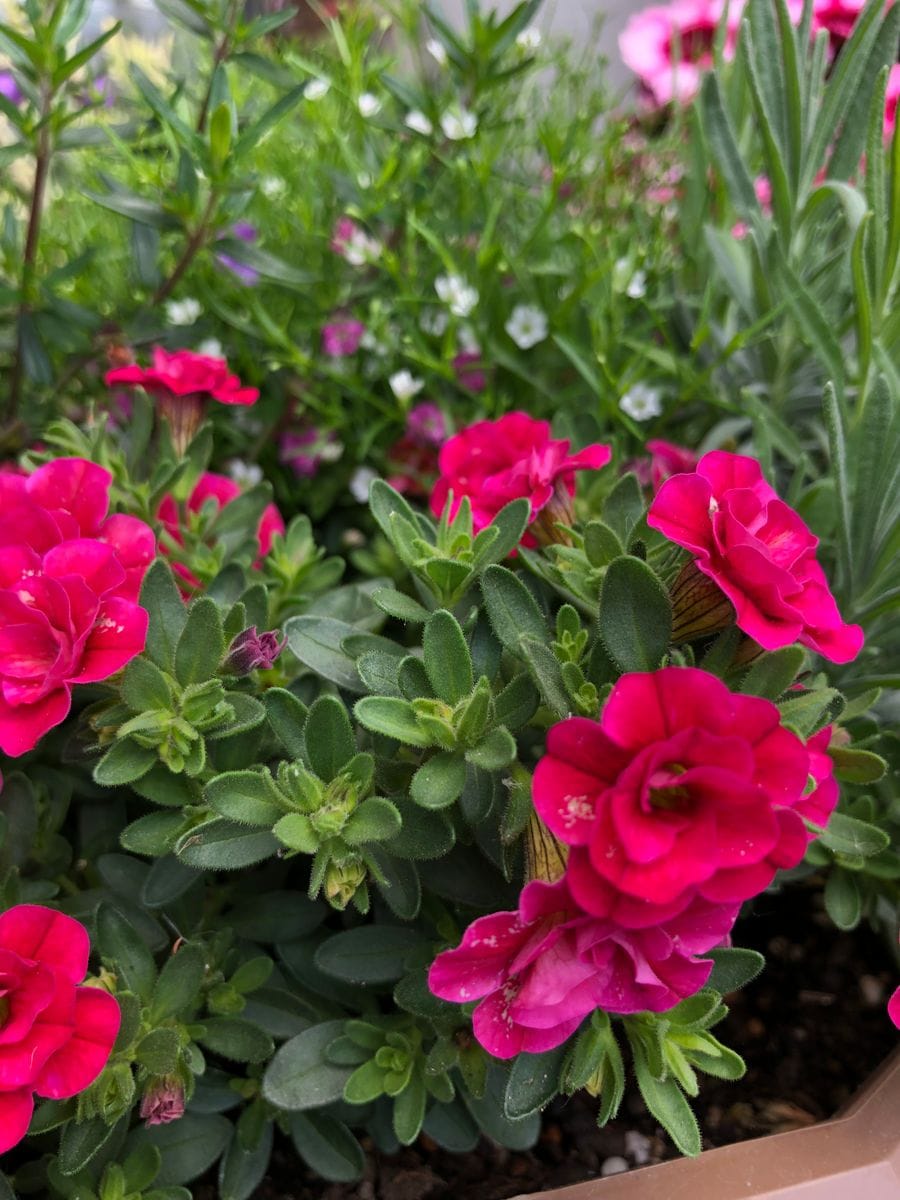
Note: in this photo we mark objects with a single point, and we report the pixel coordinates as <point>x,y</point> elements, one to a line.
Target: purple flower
<point>426,426</point>
<point>163,1101</point>
<point>305,450</point>
<point>252,651</point>
<point>248,275</point>
<point>9,89</point>
<point>340,338</point>
<point>469,373</point>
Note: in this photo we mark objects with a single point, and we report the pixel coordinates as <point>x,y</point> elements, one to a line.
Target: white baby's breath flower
<point>316,89</point>
<point>418,122</point>
<point>459,124</point>
<point>434,321</point>
<point>183,312</point>
<point>360,481</point>
<point>637,285</point>
<point>360,248</point>
<point>468,340</point>
<point>459,296</point>
<point>368,104</point>
<point>211,348</point>
<point>527,325</point>
<point>641,403</point>
<point>529,39</point>
<point>244,474</point>
<point>273,186</point>
<point>437,51</point>
<point>404,385</point>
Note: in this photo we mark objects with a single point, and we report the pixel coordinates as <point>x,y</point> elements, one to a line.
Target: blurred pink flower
<point>342,338</point>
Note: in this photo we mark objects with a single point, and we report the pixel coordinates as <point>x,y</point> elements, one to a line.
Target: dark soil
<point>811,1029</point>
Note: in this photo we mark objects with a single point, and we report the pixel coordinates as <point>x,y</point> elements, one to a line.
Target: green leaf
<point>399,885</point>
<point>624,507</point>
<point>447,660</point>
<point>158,1051</point>
<point>843,900</point>
<point>370,954</point>
<point>601,544</point>
<point>733,968</point>
<point>329,737</point>
<point>376,820</point>
<point>287,716</point>
<point>248,797</point>
<point>126,952</point>
<point>162,600</point>
<point>848,835</point>
<point>533,1082</point>
<point>256,132</point>
<point>317,642</point>
<point>189,1146</point>
<point>365,1084</point>
<point>152,835</point>
<point>299,1077</point>
<point>488,1112</point>
<point>545,670</point>
<point>274,916</point>
<point>857,766</point>
<point>511,522</point>
<point>723,144</point>
<point>328,1147</point>
<point>772,674</point>
<point>222,845</point>
<point>295,831</point>
<point>201,644</point>
<point>392,717</point>
<point>82,1141</point>
<point>178,987</point>
<point>399,605</point>
<point>512,609</point>
<point>124,762</point>
<point>635,615</point>
<point>145,687</point>
<point>241,1041</point>
<point>409,1110</point>
<point>666,1101</point>
<point>243,1168</point>
<point>439,781</point>
<point>425,835</point>
<point>451,1127</point>
<point>495,751</point>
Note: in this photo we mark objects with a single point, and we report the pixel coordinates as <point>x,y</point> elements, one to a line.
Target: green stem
<point>222,52</point>
<point>193,245</point>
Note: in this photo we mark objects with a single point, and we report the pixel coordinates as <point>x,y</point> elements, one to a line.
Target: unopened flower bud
<point>252,651</point>
<point>163,1101</point>
<point>342,881</point>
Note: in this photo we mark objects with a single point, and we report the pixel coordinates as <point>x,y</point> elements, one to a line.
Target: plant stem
<point>192,246</point>
<point>222,52</point>
<point>43,155</point>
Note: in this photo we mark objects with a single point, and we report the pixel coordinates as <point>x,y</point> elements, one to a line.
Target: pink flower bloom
<point>758,551</point>
<point>682,789</point>
<point>426,425</point>
<point>469,371</point>
<point>252,651</point>
<point>822,800</point>
<point>163,1101</point>
<point>668,459</point>
<point>538,972</point>
<point>838,17</point>
<point>652,38</point>
<point>341,338</point>
<point>892,95</point>
<point>184,373</point>
<point>69,579</point>
<point>494,462</point>
<point>221,490</point>
<point>893,1008</point>
<point>306,450</point>
<point>56,1036</point>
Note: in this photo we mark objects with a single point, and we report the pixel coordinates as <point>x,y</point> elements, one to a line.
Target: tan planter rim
<point>854,1154</point>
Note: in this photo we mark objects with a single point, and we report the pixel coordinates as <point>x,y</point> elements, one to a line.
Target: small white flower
<point>404,385</point>
<point>434,321</point>
<point>364,181</point>
<point>418,123</point>
<point>374,345</point>
<point>211,348</point>
<point>459,124</point>
<point>529,39</point>
<point>183,312</point>
<point>316,89</point>
<point>244,474</point>
<point>360,481</point>
<point>459,296</point>
<point>468,342</point>
<point>437,51</point>
<point>368,104</point>
<point>361,249</point>
<point>642,403</point>
<point>527,325</point>
<point>272,187</point>
<point>637,285</point>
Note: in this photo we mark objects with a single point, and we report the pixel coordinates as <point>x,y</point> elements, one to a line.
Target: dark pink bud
<point>163,1101</point>
<point>252,651</point>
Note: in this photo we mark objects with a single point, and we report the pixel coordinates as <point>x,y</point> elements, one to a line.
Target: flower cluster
<point>69,580</point>
<point>55,1037</point>
<point>680,803</point>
